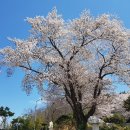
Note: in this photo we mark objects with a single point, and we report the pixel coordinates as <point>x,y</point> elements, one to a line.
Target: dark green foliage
<point>116,118</point>
<point>114,127</point>
<point>64,119</point>
<point>117,122</point>
<point>5,112</point>
<point>106,127</point>
<point>127,104</point>
<point>27,121</point>
<point>23,123</point>
<point>123,92</point>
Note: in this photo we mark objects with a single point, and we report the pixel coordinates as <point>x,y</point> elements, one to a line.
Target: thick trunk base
<point>81,126</point>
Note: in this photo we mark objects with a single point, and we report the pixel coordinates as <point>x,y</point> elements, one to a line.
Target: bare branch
<point>55,47</point>
<point>28,68</point>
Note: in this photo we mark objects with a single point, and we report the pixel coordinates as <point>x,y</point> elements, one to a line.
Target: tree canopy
<point>5,112</point>
<point>80,60</point>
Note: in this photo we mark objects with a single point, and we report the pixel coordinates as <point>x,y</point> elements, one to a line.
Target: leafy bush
<point>64,122</point>
<point>116,119</point>
<point>113,127</point>
<point>64,119</point>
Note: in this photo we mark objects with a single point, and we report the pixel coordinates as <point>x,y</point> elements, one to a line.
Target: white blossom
<point>83,56</point>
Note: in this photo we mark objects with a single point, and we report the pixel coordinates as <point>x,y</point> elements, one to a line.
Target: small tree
<point>27,121</point>
<point>79,60</point>
<point>22,123</point>
<point>4,113</point>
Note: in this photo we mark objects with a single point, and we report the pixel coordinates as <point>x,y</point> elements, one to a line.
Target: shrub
<point>116,119</point>
<point>113,127</point>
<point>64,119</point>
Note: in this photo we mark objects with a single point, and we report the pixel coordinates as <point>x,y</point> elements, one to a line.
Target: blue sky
<point>12,24</point>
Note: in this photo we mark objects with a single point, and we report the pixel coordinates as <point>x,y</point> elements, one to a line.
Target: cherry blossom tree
<point>80,60</point>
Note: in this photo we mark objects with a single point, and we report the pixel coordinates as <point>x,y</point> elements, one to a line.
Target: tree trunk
<point>80,121</point>
<point>74,99</point>
<point>78,114</point>
<point>81,125</point>
<point>4,122</point>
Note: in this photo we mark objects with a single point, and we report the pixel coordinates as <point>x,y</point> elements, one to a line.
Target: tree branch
<point>102,56</point>
<point>107,74</point>
<point>82,44</point>
<point>56,48</point>
<point>91,111</point>
<point>28,68</point>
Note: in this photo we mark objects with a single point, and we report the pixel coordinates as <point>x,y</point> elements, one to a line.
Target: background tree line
<point>62,118</point>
